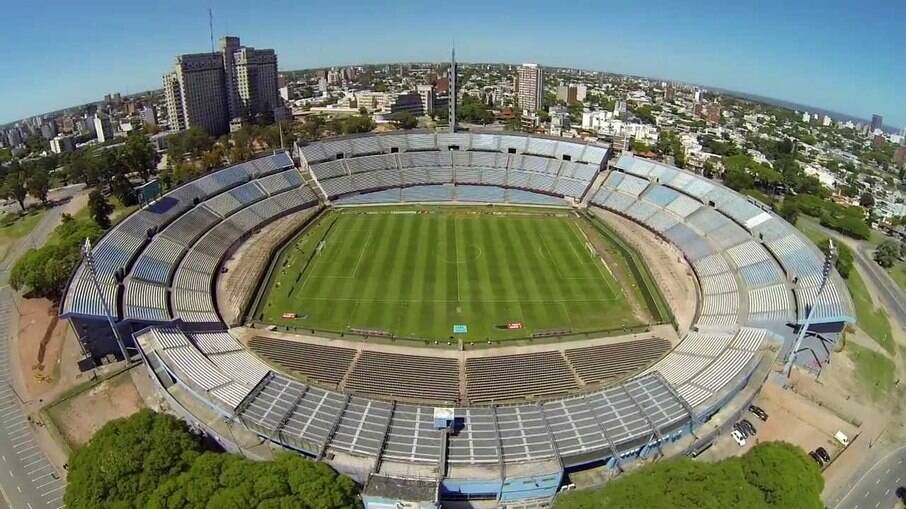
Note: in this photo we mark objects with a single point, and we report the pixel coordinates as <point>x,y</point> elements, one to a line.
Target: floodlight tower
<point>89,261</point>
<point>452,100</point>
<point>829,259</point>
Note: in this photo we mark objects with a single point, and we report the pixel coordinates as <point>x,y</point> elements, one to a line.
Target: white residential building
<point>529,87</point>
<point>62,143</point>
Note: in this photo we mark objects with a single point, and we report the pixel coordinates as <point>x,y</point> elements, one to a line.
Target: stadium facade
<point>758,280</point>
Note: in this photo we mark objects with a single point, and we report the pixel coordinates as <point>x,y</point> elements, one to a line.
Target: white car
<point>741,440</point>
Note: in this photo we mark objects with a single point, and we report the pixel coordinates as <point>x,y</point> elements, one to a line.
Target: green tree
<point>82,167</point>
<point>100,208</point>
<point>867,200</point>
<point>356,124</point>
<point>39,185</point>
<point>888,252</point>
<point>231,481</point>
<point>14,186</point>
<point>785,475</point>
<point>191,142</point>
<point>472,109</point>
<point>138,155</point>
<point>404,120</point>
<point>771,475</point>
<point>123,190</point>
<point>127,459</point>
<point>738,179</point>
<point>789,210</point>
<point>45,271</point>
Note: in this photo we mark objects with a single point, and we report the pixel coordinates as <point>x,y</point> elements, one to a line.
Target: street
<point>877,487</point>
<point>27,478</point>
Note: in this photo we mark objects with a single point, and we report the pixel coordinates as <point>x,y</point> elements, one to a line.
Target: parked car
<point>749,427</point>
<point>742,431</point>
<point>821,451</point>
<point>740,439</point>
<point>814,455</point>
<point>759,412</point>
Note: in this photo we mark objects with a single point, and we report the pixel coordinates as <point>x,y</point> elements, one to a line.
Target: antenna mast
<point>453,74</point>
<point>211,27</point>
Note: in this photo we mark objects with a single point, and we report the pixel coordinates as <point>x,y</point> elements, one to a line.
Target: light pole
<point>828,267</point>
<point>89,261</point>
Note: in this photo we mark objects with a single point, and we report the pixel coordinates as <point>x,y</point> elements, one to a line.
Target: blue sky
<point>845,56</point>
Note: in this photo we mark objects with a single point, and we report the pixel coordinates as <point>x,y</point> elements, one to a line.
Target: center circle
<point>470,254</point>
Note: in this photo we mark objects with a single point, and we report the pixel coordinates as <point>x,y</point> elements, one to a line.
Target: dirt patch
<point>246,266</point>
<point>40,342</point>
<point>670,270</point>
<point>80,416</point>
<point>798,420</point>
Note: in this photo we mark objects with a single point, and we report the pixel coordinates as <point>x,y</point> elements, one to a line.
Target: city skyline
<point>831,59</point>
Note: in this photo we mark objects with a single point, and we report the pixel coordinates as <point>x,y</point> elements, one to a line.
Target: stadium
<point>458,317</point>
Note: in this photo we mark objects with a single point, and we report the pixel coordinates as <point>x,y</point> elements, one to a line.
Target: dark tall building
<point>877,122</point>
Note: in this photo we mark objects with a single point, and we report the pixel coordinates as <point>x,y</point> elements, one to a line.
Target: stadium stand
<point>571,408</point>
<point>324,364</point>
<point>405,377</point>
<point>520,376</point>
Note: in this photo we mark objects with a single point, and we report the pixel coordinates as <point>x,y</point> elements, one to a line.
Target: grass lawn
<point>13,227</point>
<point>874,371</point>
<point>806,225</point>
<point>898,274</point>
<point>417,273</point>
<point>119,211</point>
<point>873,320</point>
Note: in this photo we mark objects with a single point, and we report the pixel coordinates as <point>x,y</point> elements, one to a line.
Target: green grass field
<point>874,371</point>
<point>417,273</point>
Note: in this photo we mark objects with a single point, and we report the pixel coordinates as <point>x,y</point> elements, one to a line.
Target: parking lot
<point>792,419</point>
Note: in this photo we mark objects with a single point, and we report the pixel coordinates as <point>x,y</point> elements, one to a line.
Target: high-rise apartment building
<point>427,94</point>
<point>208,90</point>
<point>567,93</point>
<point>103,129</point>
<point>877,122</point>
<point>529,87</point>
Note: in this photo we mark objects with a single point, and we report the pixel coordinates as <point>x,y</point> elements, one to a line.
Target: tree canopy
<point>129,458</point>
<point>772,475</point>
<point>228,481</point>
<point>44,271</point>
<point>472,110</point>
<point>405,120</point>
<point>15,185</point>
<point>888,252</point>
<point>100,208</point>
<point>155,461</point>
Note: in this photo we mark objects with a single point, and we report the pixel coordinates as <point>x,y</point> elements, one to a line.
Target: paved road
<point>890,293</point>
<point>27,479</point>
<point>877,487</point>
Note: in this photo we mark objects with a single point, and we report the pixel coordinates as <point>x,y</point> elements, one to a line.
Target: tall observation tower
<point>453,79</point>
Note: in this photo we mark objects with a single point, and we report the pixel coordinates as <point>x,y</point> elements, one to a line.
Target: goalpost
<point>320,247</point>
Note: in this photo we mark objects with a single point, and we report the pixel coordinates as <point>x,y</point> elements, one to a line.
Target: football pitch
<point>423,273</point>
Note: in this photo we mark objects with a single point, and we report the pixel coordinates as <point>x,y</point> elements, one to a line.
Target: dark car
<point>742,429</point>
<point>759,412</point>
<point>814,455</point>
<point>749,427</point>
<point>821,451</point>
